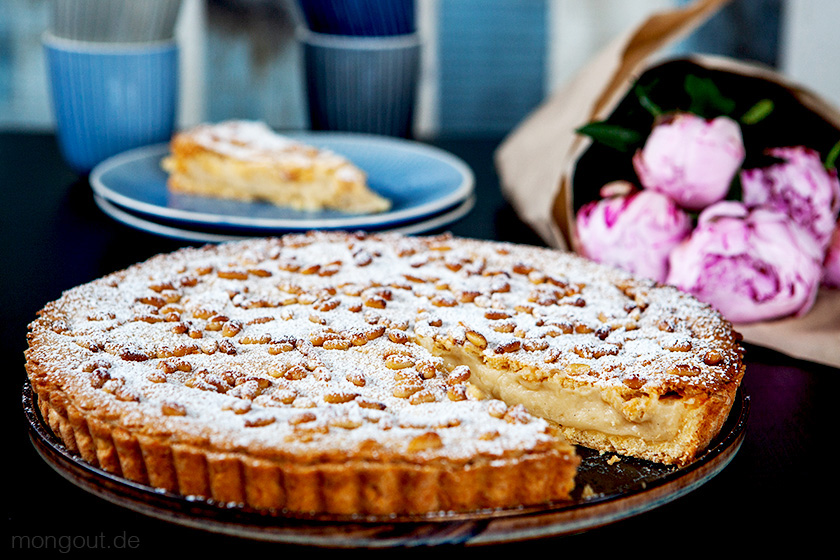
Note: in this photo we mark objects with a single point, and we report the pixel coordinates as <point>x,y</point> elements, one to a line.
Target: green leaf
<point>706,99</point>
<point>736,189</point>
<point>833,155</point>
<point>643,95</point>
<point>758,112</point>
<point>614,136</point>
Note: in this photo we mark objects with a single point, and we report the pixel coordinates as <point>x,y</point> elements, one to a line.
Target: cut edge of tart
<point>377,374</point>
<point>248,161</point>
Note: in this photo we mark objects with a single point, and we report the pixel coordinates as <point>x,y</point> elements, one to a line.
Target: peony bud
<point>634,231</point>
<point>690,159</point>
<point>799,186</point>
<point>752,265</point>
<point>831,265</point>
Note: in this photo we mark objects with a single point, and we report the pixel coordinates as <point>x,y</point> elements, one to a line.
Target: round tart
<point>377,374</point>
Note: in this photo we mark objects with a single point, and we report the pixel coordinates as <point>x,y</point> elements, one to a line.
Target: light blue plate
<point>420,181</point>
<point>164,229</point>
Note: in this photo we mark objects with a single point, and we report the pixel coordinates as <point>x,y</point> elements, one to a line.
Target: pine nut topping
<point>507,347</point>
<point>338,398</point>
<point>425,442</point>
<point>397,361</point>
<point>327,350</point>
<point>476,338</point>
<point>173,409</point>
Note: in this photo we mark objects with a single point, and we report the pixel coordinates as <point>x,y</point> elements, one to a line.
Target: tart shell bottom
<point>350,488</point>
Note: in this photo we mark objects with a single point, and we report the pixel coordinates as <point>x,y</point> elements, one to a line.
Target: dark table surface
<point>779,489</point>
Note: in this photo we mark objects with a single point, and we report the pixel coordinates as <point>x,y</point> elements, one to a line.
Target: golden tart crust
<point>246,160</point>
<point>378,374</point>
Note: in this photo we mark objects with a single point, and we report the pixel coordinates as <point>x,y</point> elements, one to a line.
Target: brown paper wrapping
<point>536,161</point>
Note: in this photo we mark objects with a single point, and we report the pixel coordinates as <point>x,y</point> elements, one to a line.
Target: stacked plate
<point>429,189</point>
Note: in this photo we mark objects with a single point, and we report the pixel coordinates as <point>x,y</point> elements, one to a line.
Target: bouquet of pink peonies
<point>715,174</point>
<point>716,189</point>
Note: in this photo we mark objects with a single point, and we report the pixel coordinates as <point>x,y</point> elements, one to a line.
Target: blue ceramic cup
<point>360,17</point>
<point>111,97</point>
<point>361,84</point>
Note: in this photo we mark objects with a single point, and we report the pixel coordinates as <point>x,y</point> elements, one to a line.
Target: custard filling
<point>582,408</point>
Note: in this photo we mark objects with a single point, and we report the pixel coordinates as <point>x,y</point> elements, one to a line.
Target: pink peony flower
<point>751,264</point>
<point>691,159</point>
<point>799,186</point>
<point>831,265</point>
<point>633,230</point>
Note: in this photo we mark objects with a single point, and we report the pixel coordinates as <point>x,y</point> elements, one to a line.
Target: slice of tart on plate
<point>248,161</point>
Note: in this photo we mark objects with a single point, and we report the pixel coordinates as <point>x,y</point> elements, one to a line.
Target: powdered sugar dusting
<point>310,341</point>
<point>255,141</point>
